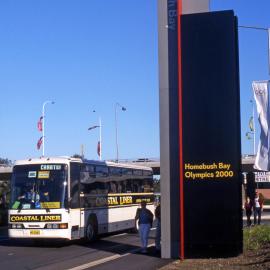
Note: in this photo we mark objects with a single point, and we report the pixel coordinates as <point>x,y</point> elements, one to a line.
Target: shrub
<point>256,237</point>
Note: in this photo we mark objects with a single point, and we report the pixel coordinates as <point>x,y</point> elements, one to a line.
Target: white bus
<point>72,198</point>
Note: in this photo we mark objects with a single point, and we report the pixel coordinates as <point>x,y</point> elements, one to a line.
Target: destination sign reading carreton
<point>34,218</point>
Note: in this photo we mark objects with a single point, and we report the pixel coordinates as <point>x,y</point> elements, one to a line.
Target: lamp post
<point>100,144</point>
<point>43,124</point>
<point>116,131</point>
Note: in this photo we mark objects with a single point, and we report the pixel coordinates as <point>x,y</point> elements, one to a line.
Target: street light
<point>116,135</point>
<point>100,144</point>
<point>43,124</point>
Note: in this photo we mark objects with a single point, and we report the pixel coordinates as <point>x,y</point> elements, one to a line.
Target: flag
<point>98,148</point>
<point>39,143</point>
<point>93,127</point>
<point>39,124</point>
<point>251,124</point>
<point>260,90</point>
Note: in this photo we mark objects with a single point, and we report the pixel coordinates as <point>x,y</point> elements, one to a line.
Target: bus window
<point>31,182</point>
<point>147,173</point>
<point>101,171</point>
<point>128,186</point>
<point>115,171</point>
<point>89,168</point>
<point>87,174</point>
<point>137,172</point>
<point>113,187</point>
<point>74,184</point>
<point>123,187</point>
<point>91,194</point>
<point>126,171</point>
<point>147,185</point>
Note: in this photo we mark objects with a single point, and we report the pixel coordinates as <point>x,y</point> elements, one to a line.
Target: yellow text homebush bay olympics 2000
<point>204,171</point>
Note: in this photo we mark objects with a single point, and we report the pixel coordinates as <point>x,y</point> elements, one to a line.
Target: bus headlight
<point>63,226</point>
<point>48,226</point>
<point>16,226</point>
<point>56,226</point>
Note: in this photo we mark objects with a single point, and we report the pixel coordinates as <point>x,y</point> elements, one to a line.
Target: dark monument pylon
<point>200,133</point>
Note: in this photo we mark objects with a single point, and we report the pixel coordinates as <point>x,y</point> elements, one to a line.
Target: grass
<point>256,237</point>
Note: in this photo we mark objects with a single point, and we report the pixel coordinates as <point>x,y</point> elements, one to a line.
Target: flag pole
<point>254,129</point>
<point>43,125</point>
<point>100,144</point>
<point>269,50</point>
<point>43,128</point>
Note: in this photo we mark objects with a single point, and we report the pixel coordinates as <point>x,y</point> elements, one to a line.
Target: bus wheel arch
<point>91,229</point>
<point>135,229</point>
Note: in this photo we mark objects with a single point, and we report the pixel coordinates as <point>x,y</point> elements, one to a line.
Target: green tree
<point>77,156</point>
<point>5,161</point>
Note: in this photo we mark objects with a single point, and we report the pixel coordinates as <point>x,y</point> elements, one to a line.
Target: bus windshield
<point>41,186</point>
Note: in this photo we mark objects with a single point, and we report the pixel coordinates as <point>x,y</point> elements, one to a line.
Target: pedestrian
<point>158,228</point>
<point>257,208</point>
<point>248,208</point>
<point>145,218</point>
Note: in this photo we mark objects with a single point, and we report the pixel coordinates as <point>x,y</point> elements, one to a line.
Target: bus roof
<point>66,160</point>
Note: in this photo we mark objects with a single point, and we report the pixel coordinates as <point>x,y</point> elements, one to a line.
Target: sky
<point>88,55</point>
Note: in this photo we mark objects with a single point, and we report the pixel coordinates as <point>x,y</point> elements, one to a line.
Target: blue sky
<point>87,55</point>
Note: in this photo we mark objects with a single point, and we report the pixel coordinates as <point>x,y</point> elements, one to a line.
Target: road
<point>119,251</point>
<point>110,252</point>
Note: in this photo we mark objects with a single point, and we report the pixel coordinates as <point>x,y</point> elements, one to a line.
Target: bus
<point>72,198</point>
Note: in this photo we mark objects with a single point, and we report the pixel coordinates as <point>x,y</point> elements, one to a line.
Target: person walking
<point>257,208</point>
<point>145,218</point>
<point>248,208</point>
<point>158,228</point>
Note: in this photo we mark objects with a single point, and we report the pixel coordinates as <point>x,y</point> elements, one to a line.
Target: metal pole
<point>254,130</point>
<point>269,50</point>
<point>116,135</point>
<point>100,144</point>
<point>116,131</point>
<point>43,125</point>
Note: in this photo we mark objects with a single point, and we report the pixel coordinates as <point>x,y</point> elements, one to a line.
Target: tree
<point>77,156</point>
<point>5,161</point>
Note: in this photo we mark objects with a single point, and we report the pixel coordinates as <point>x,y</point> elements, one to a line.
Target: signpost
<point>200,133</point>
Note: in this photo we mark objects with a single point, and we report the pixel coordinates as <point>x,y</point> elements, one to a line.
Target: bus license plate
<point>34,232</point>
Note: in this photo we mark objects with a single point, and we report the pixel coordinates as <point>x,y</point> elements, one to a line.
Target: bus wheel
<point>91,230</point>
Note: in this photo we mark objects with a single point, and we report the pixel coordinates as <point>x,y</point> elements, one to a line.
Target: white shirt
<point>257,204</point>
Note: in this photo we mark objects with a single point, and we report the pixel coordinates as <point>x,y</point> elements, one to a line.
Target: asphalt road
<point>119,251</point>
<point>110,252</point>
